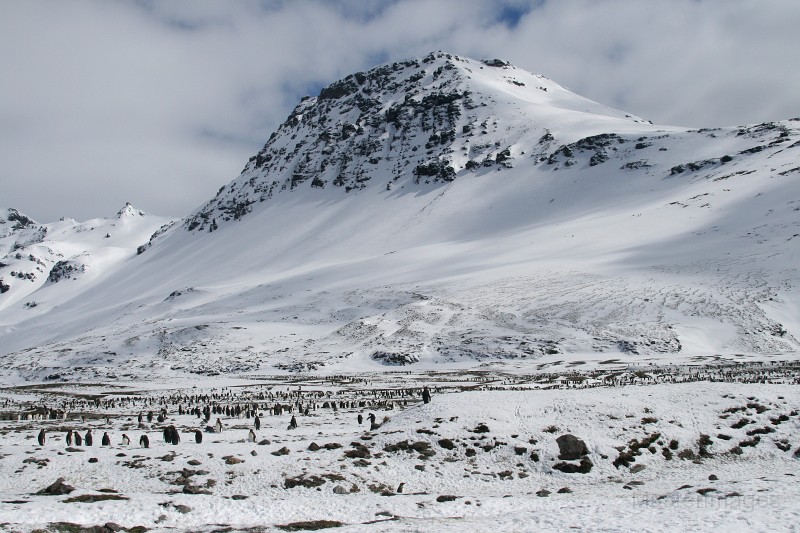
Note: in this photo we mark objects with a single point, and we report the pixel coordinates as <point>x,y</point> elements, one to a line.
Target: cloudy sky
<point>162,102</point>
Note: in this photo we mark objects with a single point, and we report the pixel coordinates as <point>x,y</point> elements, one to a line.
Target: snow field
<point>494,487</point>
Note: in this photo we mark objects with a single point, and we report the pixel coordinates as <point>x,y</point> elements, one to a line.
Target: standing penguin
<point>293,423</point>
<point>106,440</point>
<point>78,440</point>
<point>69,438</point>
<point>41,437</point>
<point>360,419</point>
<point>198,436</point>
<point>257,422</point>
<point>251,436</point>
<point>218,426</point>
<point>176,437</point>
<point>144,442</point>
<point>426,395</point>
<point>88,438</point>
<point>126,440</point>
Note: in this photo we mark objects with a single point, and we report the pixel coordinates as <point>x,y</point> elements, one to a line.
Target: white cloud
<point>160,103</point>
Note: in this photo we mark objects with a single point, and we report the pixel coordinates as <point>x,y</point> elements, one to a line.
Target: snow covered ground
<point>700,455</point>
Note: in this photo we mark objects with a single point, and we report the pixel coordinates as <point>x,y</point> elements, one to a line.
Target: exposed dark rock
<point>303,481</point>
<point>57,489</point>
<point>94,498</point>
<point>584,467</point>
<point>447,444</point>
<point>571,447</point>
<point>309,525</point>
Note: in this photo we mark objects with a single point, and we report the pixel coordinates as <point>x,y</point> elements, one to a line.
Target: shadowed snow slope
<point>442,212</point>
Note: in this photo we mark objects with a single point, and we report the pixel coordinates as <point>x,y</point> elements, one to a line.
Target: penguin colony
<point>156,412</point>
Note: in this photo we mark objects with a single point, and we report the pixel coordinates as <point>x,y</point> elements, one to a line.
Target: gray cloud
<point>160,103</point>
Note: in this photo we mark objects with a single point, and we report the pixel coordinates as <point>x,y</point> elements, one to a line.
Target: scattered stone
<point>313,447</point>
<point>564,490</point>
<point>239,497</point>
<point>194,462</point>
<point>93,498</point>
<point>56,489</point>
<point>359,451</point>
<point>635,469</point>
<point>303,481</point>
<point>282,451</point>
<point>182,508</point>
<point>543,493</point>
<point>231,460</point>
<point>93,459</point>
<point>193,489</point>
<point>338,489</point>
<point>446,498</point>
<point>705,491</point>
<point>712,477</point>
<point>309,525</point>
<point>571,447</point>
<point>584,467</point>
<point>264,442</point>
<point>447,444</point>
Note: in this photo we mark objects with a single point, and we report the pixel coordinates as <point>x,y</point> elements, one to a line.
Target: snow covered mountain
<point>57,261</point>
<point>439,212</point>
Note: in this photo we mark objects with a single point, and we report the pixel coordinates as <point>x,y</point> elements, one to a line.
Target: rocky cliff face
<point>425,120</point>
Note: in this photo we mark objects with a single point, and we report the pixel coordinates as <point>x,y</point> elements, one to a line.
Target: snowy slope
<point>450,212</point>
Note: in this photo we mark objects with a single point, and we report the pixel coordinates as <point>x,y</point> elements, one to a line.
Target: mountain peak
<point>412,123</point>
<point>129,211</point>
